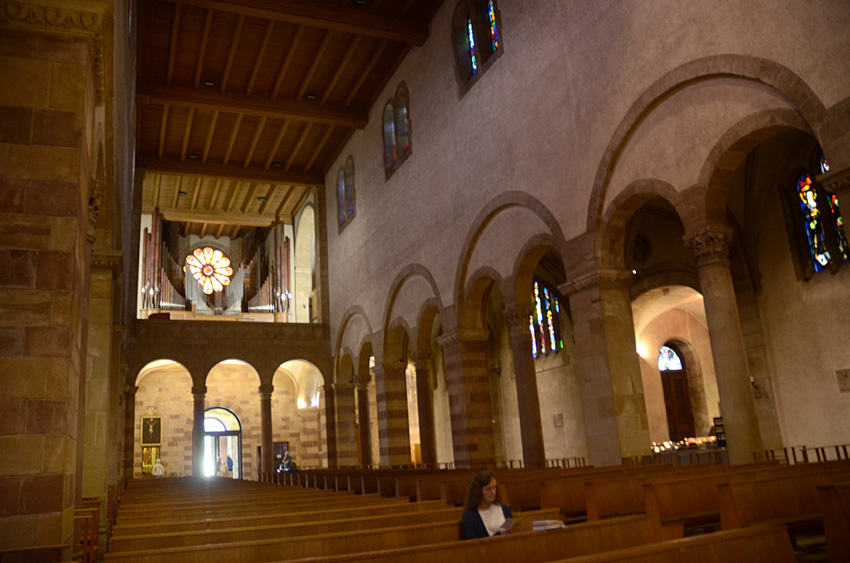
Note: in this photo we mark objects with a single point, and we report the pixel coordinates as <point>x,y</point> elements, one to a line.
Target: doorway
<point>222,444</point>
<point>677,399</point>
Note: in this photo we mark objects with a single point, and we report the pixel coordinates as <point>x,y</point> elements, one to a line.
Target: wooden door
<point>677,401</point>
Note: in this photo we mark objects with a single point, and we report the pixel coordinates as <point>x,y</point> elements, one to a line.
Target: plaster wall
<point>550,129</point>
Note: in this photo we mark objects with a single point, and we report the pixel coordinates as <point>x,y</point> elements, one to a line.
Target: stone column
<point>393,425</point>
<point>364,422</point>
<point>330,425</point>
<point>199,394</point>
<point>612,389</point>
<point>425,407</point>
<point>129,431</point>
<point>710,247</point>
<point>346,426</point>
<point>469,397</point>
<point>266,440</point>
<point>528,401</point>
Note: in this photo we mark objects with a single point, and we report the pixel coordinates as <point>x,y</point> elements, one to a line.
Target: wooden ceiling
<point>243,105</point>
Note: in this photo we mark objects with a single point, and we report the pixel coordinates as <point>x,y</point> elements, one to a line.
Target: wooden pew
<point>788,497</point>
<point>322,546</point>
<point>274,518</point>
<point>290,530</point>
<point>524,547</point>
<point>835,507</point>
<point>758,543</point>
<point>223,511</point>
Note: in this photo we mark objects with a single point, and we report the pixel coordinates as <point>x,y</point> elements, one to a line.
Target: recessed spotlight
<point>209,83</point>
<point>360,2</point>
<point>193,156</point>
<point>278,165</point>
<point>181,192</point>
<point>261,199</point>
<point>310,97</point>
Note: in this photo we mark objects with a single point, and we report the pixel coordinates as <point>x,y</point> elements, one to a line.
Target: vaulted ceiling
<point>243,105</point>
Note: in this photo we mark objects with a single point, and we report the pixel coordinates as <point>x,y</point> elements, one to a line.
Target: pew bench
<point>834,502</point>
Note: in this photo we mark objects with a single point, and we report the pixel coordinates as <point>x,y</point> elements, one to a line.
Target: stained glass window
<point>545,323</point>
<point>349,189</point>
<point>470,33</point>
<point>494,32</point>
<point>813,221</point>
<point>211,268</point>
<point>340,197</point>
<point>840,233</point>
<point>389,137</point>
<point>402,122</point>
<point>668,359</point>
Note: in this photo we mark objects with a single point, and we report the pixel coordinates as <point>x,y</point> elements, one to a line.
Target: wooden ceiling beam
<point>284,66</point>
<point>266,199</point>
<point>162,128</point>
<point>157,186</point>
<point>365,72</point>
<point>314,65</point>
<point>232,139</point>
<point>297,147</point>
<point>176,197</point>
<point>220,229</point>
<point>260,126</point>
<point>232,52</point>
<point>196,192</point>
<point>301,200</point>
<point>188,129</point>
<point>262,53</point>
<point>199,67</point>
<point>172,50</point>
<point>204,228</point>
<point>349,19</point>
<point>215,191</point>
<point>254,105</point>
<point>319,148</point>
<point>284,200</point>
<point>234,172</point>
<point>340,67</point>
<point>208,140</point>
<point>273,151</point>
<point>249,198</point>
<point>231,201</point>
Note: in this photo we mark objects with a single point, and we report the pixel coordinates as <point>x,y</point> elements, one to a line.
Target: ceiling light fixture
<point>262,199</point>
<point>181,192</point>
<point>278,165</point>
<point>209,83</point>
<point>193,156</point>
<point>310,97</point>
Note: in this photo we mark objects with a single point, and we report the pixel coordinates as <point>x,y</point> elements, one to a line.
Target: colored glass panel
<point>558,320</point>
<point>494,32</point>
<point>389,137</point>
<point>549,320</point>
<point>668,359</point>
<point>471,38</point>
<point>210,268</point>
<point>840,234</point>
<point>533,337</point>
<point>349,189</point>
<point>813,222</point>
<point>539,310</point>
<point>340,197</point>
<point>824,165</point>
<point>402,125</point>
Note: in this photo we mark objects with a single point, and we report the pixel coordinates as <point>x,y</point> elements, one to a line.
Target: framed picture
<point>151,430</point>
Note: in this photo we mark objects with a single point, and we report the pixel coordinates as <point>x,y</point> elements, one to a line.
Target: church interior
<point>415,234</point>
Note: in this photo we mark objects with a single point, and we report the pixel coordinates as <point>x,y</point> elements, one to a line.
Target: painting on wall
<point>151,430</point>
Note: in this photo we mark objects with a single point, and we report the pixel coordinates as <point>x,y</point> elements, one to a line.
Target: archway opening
<point>222,444</point>
<point>677,400</point>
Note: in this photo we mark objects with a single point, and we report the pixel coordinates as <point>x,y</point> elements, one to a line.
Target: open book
<point>540,525</point>
<point>509,525</point>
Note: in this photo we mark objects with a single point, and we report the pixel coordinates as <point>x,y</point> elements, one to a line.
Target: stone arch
<point>526,263</point>
<point>758,69</point>
<point>352,313</point>
<point>408,272</point>
<point>497,205</point>
<point>471,308</point>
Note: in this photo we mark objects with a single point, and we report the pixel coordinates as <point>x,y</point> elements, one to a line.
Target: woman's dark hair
<point>474,495</point>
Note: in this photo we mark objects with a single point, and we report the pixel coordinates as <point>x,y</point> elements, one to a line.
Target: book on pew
<point>508,525</point>
<point>541,525</point>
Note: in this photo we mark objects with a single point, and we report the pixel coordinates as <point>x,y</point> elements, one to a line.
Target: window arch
<point>817,225</point>
<point>396,130</point>
<point>476,39</point>
<point>345,193</point>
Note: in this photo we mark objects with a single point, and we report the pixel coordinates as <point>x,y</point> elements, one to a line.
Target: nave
<point>658,513</point>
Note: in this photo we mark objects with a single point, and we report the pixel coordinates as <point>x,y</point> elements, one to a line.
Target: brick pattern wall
<point>169,392</point>
<point>44,81</point>
<point>393,433</point>
<point>346,424</point>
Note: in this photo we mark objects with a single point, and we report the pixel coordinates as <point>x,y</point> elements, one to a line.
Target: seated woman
<point>482,515</point>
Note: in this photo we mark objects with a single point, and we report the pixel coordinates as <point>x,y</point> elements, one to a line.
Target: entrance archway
<point>222,444</point>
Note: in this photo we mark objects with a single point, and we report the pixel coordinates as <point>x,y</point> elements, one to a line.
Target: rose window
<point>211,268</point>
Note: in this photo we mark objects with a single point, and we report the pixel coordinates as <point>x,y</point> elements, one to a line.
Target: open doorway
<point>222,444</point>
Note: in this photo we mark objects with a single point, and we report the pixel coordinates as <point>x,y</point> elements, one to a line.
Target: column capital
<point>343,387</point>
<point>362,381</point>
<point>421,358</point>
<point>266,390</point>
<point>199,392</point>
<point>516,317</point>
<point>463,335</point>
<point>605,279</point>
<point>130,389</point>
<point>836,181</point>
<point>709,244</point>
